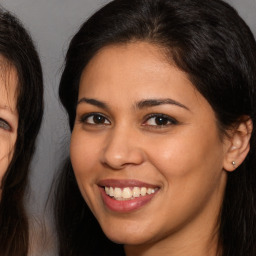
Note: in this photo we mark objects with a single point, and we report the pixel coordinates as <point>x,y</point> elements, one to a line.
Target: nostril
<point>120,158</point>
<point>122,148</point>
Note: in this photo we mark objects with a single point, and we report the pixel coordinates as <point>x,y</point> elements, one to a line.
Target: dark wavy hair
<point>19,52</point>
<point>211,43</point>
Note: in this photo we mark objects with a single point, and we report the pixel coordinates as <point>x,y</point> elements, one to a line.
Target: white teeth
<point>111,191</point>
<point>149,191</point>
<point>128,193</point>
<point>136,192</point>
<point>143,191</point>
<point>117,192</point>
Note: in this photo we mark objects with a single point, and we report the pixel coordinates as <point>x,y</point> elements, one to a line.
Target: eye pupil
<point>97,119</point>
<point>161,120</point>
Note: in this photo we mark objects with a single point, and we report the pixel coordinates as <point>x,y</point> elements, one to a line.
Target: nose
<point>122,148</point>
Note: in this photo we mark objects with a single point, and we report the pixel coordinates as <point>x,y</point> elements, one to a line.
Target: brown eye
<point>95,119</point>
<point>159,120</point>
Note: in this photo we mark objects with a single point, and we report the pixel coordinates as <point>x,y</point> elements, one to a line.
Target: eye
<point>94,119</point>
<point>160,120</point>
<point>5,125</point>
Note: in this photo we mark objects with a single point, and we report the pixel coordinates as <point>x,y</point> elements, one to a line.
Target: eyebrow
<point>157,102</point>
<point>93,102</point>
<point>140,105</point>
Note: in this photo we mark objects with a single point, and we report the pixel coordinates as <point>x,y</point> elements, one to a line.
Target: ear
<point>238,144</point>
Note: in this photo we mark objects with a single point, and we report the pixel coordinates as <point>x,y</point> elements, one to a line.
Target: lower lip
<point>125,205</point>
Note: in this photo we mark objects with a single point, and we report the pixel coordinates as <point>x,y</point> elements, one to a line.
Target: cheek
<point>187,155</point>
<point>83,155</point>
<point>192,174</point>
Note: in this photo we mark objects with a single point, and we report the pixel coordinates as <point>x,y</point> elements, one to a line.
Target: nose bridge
<point>122,148</point>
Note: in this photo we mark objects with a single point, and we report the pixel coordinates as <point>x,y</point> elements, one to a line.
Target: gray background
<point>51,24</point>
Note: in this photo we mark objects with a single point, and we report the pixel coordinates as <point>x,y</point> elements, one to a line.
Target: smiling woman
<point>161,102</point>
<point>133,146</point>
<point>20,88</point>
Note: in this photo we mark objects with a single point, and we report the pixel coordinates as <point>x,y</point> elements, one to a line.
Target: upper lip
<point>124,183</point>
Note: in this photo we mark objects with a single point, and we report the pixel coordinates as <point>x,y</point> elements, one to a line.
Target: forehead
<point>135,66</point>
<point>131,53</point>
<point>131,63</point>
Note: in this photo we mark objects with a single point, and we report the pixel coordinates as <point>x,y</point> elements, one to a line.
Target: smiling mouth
<point>126,196</point>
<point>128,193</point>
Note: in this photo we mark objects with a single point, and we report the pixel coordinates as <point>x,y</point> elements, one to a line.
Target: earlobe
<point>239,144</point>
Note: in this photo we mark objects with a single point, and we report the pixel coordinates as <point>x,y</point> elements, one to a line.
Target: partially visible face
<point>8,115</point>
<point>145,148</point>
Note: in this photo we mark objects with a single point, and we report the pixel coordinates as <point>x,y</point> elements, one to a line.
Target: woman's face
<point>145,148</point>
<point>8,115</point>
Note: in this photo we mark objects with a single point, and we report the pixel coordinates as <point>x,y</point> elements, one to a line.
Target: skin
<point>184,157</point>
<point>8,115</point>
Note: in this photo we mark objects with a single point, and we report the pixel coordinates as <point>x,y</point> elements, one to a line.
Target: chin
<point>128,237</point>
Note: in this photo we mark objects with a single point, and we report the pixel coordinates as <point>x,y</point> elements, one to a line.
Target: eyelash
<point>5,125</point>
<point>167,120</point>
<point>84,119</point>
